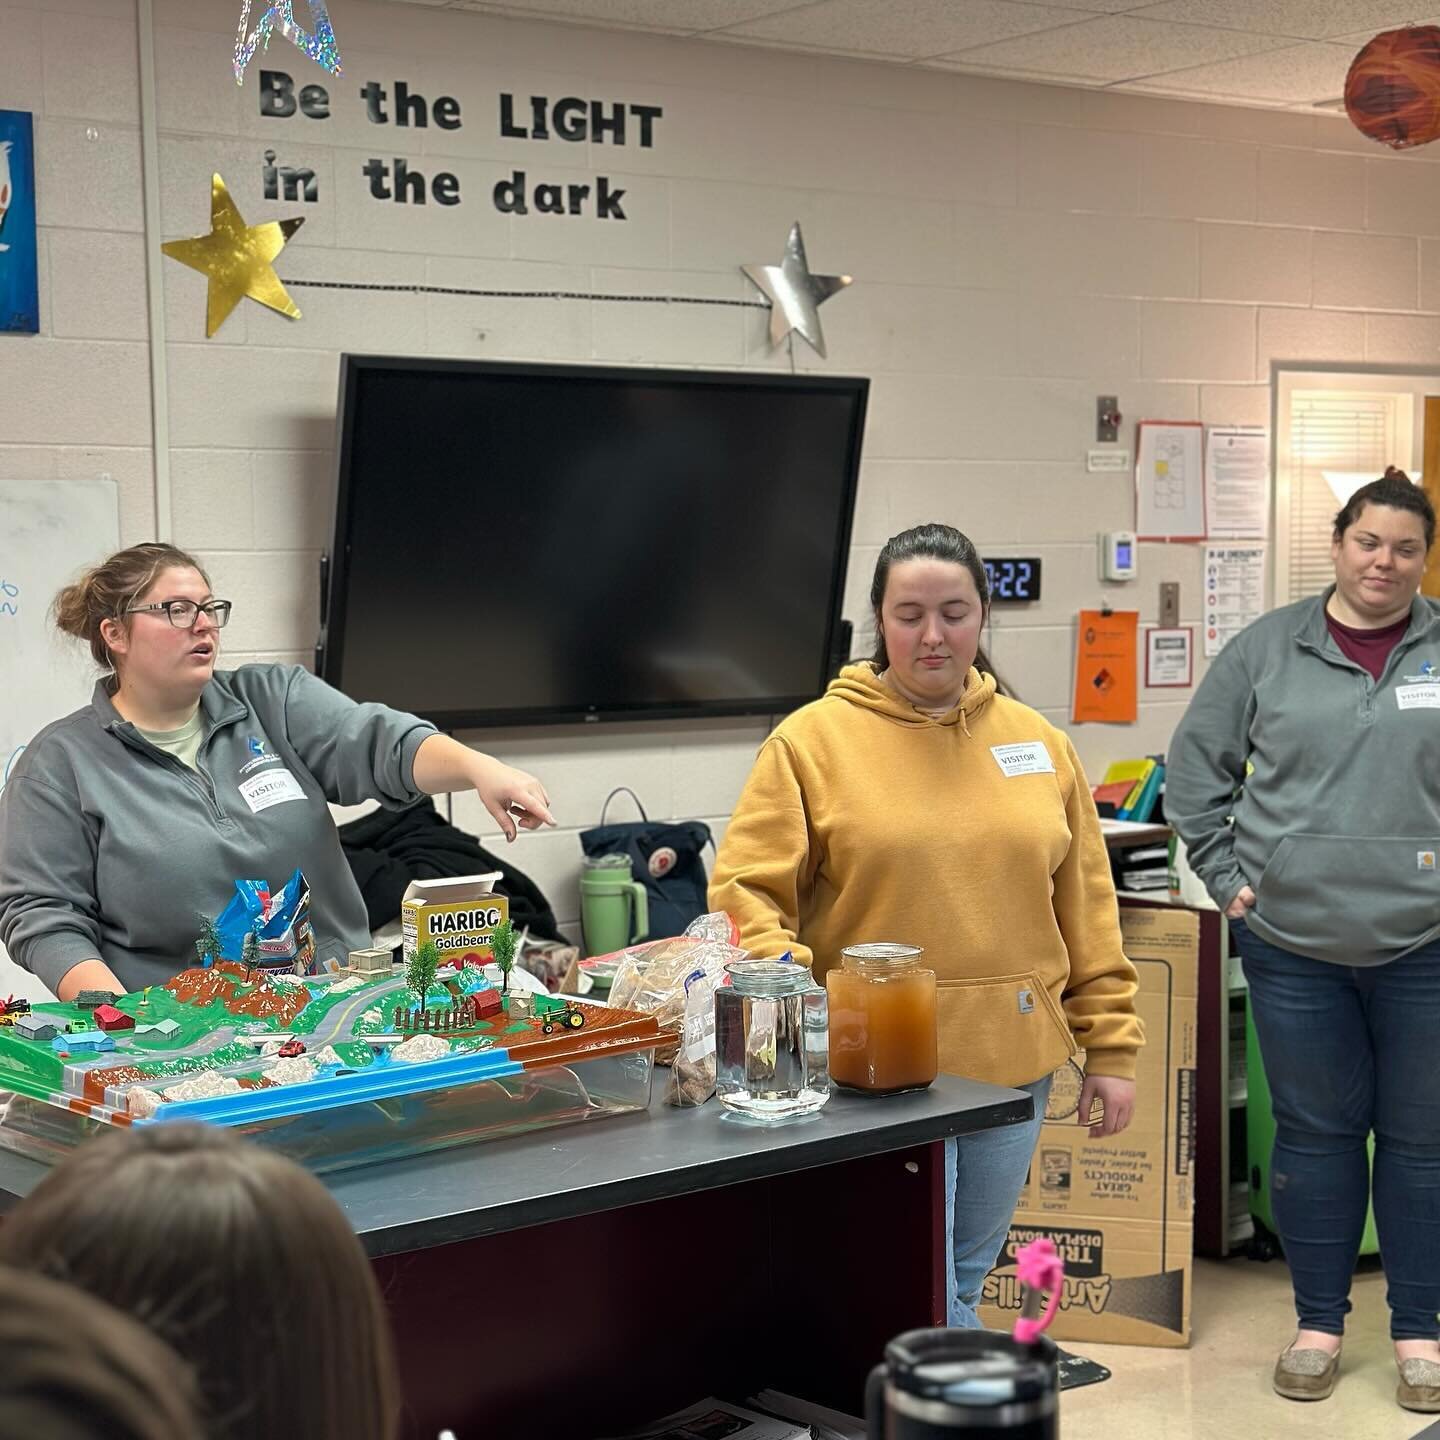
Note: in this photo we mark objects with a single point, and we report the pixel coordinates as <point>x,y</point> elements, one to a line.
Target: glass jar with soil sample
<point>882,1019</point>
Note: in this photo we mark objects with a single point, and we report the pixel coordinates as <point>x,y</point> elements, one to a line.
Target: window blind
<point>1337,431</point>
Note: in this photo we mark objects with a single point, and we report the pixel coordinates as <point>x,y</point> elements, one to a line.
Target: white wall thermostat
<point>1118,555</point>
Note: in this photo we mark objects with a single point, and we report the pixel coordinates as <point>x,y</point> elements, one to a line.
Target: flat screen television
<point>521,544</point>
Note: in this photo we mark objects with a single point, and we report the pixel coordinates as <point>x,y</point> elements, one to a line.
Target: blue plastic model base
<point>381,1082</point>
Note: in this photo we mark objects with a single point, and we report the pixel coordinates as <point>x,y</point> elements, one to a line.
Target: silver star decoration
<point>795,294</point>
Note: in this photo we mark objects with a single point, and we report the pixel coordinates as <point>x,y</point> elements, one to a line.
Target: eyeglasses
<point>183,614</point>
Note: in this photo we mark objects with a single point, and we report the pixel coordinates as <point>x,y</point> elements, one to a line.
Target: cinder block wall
<point>1017,249</point>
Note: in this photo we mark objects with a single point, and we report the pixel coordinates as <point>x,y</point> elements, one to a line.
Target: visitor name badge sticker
<point>271,787</point>
<point>1028,758</point>
<point>1424,696</point>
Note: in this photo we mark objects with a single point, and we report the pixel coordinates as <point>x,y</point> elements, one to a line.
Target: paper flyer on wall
<point>1234,592</point>
<point>1237,482</point>
<point>1106,655</point>
<point>1169,657</point>
<point>1170,481</point>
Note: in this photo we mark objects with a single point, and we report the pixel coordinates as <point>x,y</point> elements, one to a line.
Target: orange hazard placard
<point>1106,653</point>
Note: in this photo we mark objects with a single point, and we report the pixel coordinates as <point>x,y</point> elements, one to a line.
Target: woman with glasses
<point>124,823</point>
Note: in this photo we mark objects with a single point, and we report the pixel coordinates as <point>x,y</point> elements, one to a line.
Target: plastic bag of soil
<point>692,1077</point>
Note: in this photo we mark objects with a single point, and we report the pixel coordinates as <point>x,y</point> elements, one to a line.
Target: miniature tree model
<point>504,944</point>
<point>420,972</point>
<point>207,943</point>
<point>250,953</point>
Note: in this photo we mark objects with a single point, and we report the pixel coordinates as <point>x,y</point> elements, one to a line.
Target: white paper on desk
<point>1170,481</point>
<point>824,1424</point>
<point>1234,592</point>
<point>1237,482</point>
<point>715,1417</point>
<point>1109,826</point>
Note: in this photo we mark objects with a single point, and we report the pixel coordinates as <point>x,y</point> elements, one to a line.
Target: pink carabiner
<point>1039,1268</point>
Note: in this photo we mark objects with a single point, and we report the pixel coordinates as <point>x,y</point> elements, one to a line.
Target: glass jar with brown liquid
<point>882,1019</point>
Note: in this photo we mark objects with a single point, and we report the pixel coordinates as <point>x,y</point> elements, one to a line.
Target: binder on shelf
<point>1136,772</point>
<point>1142,806</point>
<point>1110,798</point>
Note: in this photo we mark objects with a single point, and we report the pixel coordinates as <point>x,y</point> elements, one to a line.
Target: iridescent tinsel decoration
<point>320,46</point>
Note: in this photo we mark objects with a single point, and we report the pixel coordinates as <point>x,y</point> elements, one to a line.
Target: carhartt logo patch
<point>1026,1000</point>
<point>1424,859</point>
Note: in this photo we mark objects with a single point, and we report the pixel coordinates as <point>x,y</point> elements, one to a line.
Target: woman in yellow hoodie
<point>914,802</point>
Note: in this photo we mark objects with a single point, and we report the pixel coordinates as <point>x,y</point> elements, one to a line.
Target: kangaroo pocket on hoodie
<point>1352,899</point>
<point>1005,1029</point>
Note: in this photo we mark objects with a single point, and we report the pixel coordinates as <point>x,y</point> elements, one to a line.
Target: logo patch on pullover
<point>259,747</point>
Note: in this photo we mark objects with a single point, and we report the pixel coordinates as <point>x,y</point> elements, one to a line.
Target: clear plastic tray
<point>364,1133</point>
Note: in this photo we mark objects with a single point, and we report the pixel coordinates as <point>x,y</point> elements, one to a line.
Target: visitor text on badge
<point>1418,697</point>
<point>1029,758</point>
<point>271,787</point>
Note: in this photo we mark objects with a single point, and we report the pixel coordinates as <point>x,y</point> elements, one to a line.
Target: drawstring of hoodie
<point>864,685</point>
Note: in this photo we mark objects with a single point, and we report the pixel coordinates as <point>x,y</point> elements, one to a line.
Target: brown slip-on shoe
<point>1306,1374</point>
<point>1419,1387</point>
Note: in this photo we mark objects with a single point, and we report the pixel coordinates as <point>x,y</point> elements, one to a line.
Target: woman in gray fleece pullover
<point>1305,780</point>
<point>124,822</point>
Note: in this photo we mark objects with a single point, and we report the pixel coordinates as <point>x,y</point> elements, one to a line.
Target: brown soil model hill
<point>226,982</point>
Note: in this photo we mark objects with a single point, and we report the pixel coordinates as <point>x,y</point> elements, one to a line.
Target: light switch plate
<point>1169,604</point>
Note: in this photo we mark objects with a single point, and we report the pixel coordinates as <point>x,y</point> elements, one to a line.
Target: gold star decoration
<point>237,259</point>
<point>795,294</point>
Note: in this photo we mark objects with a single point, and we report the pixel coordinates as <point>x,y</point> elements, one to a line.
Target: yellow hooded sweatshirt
<point>868,819</point>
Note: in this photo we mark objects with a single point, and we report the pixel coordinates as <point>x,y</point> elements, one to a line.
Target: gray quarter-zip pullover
<point>111,848</point>
<point>1336,825</point>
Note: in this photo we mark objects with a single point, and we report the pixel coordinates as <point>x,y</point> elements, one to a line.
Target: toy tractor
<point>555,1014</point>
<point>10,1007</point>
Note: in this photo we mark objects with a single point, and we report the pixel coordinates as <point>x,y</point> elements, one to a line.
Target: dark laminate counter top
<point>560,1173</point>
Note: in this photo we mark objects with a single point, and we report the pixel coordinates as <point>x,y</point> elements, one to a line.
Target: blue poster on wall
<point>19,272</point>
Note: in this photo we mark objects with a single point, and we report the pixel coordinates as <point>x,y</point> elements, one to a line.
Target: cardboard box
<point>1120,1210</point>
<point>459,915</point>
<point>1126,1282</point>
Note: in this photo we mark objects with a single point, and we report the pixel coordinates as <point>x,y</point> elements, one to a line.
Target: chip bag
<point>280,920</point>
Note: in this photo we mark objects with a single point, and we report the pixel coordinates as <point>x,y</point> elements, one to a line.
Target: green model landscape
<point>331,1026</point>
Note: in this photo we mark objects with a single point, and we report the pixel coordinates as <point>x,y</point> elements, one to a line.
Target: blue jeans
<point>1349,1052</point>
<point>983,1177</point>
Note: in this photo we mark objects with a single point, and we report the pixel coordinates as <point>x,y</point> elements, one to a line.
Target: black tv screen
<point>538,543</point>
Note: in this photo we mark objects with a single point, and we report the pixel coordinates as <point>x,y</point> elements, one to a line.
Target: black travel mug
<point>977,1384</point>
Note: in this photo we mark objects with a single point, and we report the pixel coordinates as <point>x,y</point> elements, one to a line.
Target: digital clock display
<point>1013,581</point>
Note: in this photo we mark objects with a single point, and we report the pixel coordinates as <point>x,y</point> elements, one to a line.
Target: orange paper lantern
<point>1392,92</point>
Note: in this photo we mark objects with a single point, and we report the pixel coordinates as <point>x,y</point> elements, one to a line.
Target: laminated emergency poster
<point>1234,592</point>
<point>1105,665</point>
